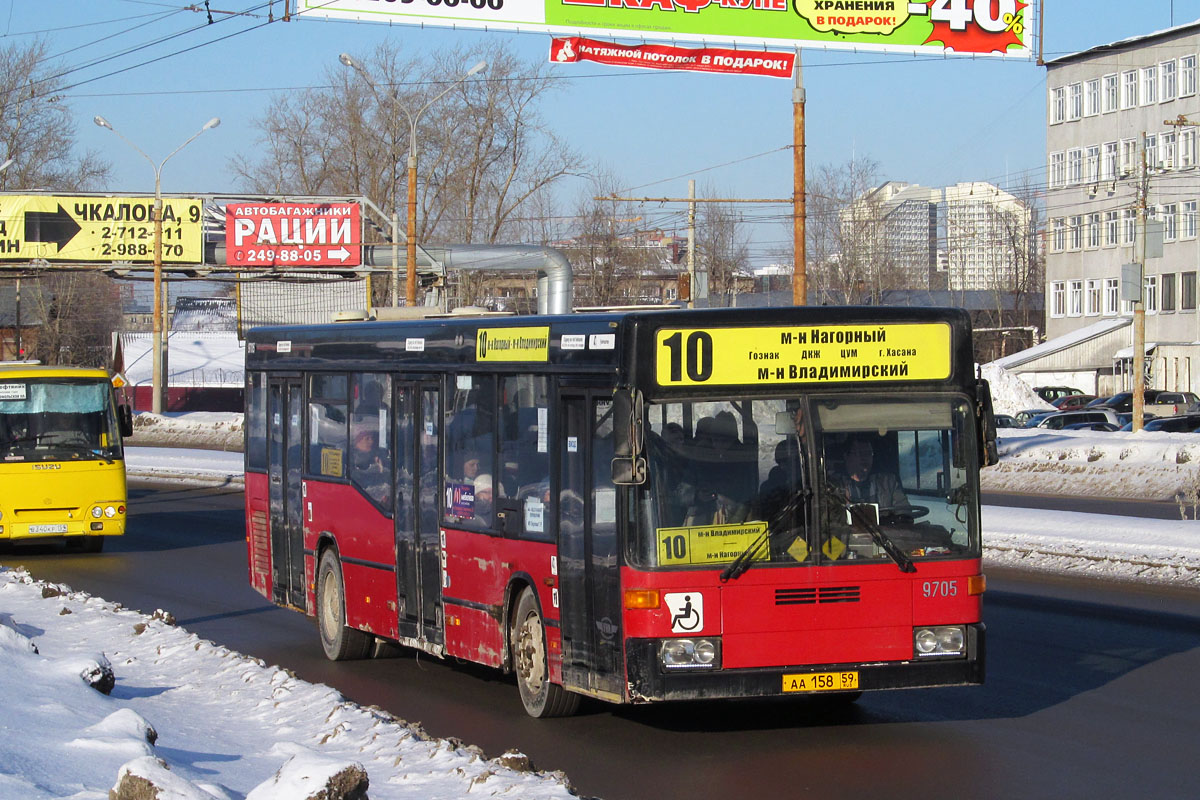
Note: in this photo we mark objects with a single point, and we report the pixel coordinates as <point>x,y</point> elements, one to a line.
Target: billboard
<point>262,234</point>
<point>572,49</point>
<point>968,27</point>
<point>98,230</point>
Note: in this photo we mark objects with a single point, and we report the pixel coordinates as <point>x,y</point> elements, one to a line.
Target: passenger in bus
<point>861,483</point>
<point>367,455</point>
<point>483,498</point>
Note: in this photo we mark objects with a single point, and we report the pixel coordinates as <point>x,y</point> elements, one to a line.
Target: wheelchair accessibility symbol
<point>687,611</point>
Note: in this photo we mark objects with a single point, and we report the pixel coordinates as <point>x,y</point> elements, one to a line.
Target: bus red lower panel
<point>258,533</point>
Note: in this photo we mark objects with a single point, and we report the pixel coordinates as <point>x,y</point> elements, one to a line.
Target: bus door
<point>285,429</point>
<point>588,550</point>
<point>418,547</point>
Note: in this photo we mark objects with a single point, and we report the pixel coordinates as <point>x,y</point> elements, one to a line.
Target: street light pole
<point>158,386</point>
<point>410,293</point>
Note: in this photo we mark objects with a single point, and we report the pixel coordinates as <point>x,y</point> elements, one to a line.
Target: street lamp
<point>157,383</point>
<point>411,255</point>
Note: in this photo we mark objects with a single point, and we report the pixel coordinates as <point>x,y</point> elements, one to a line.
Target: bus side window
<point>327,434</point>
<point>523,491</point>
<point>470,450</point>
<point>370,436</point>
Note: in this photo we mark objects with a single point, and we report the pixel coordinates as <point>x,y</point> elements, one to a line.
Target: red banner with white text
<point>570,49</point>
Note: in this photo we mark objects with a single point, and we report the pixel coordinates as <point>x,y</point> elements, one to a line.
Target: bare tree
<point>484,151</point>
<point>722,246</point>
<point>78,311</point>
<point>611,260</point>
<point>849,255</point>
<point>36,128</point>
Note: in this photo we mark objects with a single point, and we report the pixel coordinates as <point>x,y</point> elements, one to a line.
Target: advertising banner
<point>660,56</point>
<point>99,230</point>
<point>260,234</point>
<point>966,27</point>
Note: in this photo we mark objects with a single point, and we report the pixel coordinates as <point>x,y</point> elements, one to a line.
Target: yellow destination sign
<point>513,344</point>
<point>98,229</point>
<point>802,354</point>
<point>709,544</point>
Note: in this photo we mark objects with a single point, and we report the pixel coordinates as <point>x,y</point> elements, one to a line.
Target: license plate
<point>820,682</point>
<point>59,527</point>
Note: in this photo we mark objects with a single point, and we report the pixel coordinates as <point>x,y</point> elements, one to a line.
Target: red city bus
<point>633,506</point>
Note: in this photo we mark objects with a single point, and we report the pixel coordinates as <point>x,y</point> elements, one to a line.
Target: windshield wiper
<point>746,559</point>
<point>877,535</point>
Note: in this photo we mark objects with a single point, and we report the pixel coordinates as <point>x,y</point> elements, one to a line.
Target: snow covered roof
<point>194,358</point>
<point>1064,342</point>
<point>1120,44</point>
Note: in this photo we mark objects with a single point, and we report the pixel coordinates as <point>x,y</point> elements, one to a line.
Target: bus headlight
<point>943,640</point>
<point>96,511</point>
<point>110,512</point>
<point>690,653</point>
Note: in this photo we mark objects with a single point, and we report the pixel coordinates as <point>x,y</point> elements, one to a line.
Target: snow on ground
<point>75,741</point>
<point>223,722</point>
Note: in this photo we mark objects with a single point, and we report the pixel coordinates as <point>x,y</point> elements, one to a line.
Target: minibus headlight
<point>943,640</point>
<point>96,512</point>
<point>110,512</point>
<point>690,654</point>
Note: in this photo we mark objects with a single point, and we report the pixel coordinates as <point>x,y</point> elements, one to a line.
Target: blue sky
<point>928,121</point>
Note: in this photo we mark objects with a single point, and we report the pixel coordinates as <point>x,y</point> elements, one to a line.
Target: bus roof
<point>633,344</point>
<point>26,369</point>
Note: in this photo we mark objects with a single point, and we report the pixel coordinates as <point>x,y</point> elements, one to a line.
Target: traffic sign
<point>300,234</point>
<point>98,229</point>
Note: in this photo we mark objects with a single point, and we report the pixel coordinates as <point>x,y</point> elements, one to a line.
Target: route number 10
<point>695,355</point>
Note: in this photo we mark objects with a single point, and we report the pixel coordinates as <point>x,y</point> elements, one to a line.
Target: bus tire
<point>540,697</point>
<point>340,643</point>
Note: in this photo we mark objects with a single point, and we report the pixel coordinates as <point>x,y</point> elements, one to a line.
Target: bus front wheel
<point>540,697</point>
<point>341,643</point>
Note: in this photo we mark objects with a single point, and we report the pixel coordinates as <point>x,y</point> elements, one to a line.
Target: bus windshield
<point>55,419</point>
<point>807,480</point>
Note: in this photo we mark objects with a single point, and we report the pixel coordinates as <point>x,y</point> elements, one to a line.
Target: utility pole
<point>799,251</point>
<point>1139,310</point>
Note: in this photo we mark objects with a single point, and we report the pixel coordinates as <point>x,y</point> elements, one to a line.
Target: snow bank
<point>226,725</point>
<point>1010,394</point>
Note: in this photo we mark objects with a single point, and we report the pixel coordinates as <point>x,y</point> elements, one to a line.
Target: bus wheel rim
<point>531,658</point>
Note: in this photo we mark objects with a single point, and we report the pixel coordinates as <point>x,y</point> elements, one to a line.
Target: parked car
<point>1006,421</point>
<point>1169,404</point>
<point>1023,417</point>
<point>1107,427</point>
<point>1033,420</point>
<point>1061,419</point>
<point>1099,401</point>
<point>1072,402</point>
<point>1183,423</point>
<point>1124,400</point>
<point>1052,393</point>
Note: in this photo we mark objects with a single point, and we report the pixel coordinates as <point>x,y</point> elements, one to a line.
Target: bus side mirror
<point>125,420</point>
<point>986,419</point>
<point>628,464</point>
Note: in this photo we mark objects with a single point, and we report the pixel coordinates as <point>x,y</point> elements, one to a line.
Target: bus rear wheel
<point>540,697</point>
<point>341,643</point>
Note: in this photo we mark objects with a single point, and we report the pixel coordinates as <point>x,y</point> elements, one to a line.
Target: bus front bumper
<point>650,682</point>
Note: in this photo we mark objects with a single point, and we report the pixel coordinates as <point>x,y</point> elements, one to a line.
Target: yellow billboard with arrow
<point>99,229</point>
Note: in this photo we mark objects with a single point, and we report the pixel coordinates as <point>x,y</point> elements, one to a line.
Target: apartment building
<point>1122,124</point>
<point>970,236</point>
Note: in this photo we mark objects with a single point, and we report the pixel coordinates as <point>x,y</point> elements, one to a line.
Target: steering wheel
<point>914,512</point>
